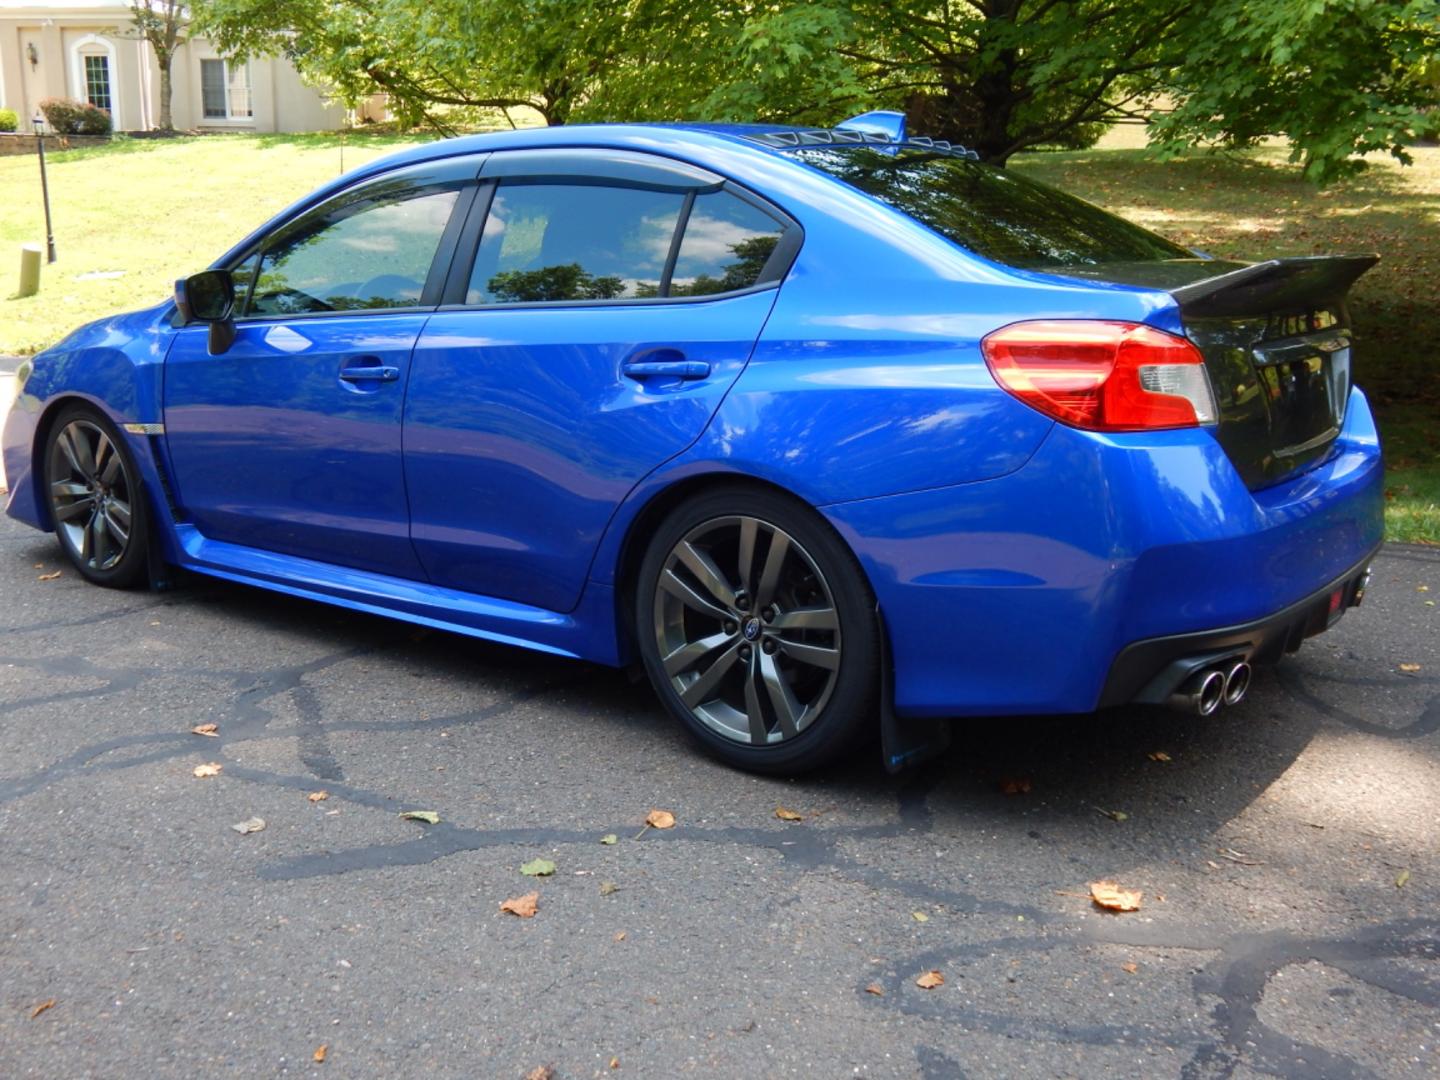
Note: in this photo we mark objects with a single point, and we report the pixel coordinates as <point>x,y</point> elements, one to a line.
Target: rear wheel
<point>758,630</point>
<point>96,501</point>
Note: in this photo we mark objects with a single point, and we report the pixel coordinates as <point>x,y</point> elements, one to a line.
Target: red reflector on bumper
<point>1336,599</point>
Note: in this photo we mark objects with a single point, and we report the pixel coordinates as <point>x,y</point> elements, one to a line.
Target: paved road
<point>1273,939</point>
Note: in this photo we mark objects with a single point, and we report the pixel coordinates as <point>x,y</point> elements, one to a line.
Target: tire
<point>96,498</point>
<point>770,668</point>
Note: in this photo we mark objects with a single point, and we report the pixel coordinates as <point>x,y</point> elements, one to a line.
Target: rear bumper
<point>1018,595</point>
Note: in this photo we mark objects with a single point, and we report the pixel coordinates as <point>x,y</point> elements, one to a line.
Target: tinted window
<point>570,241</point>
<point>726,244</point>
<point>993,212</point>
<point>373,252</point>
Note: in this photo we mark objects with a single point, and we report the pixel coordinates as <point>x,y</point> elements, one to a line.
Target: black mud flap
<point>904,743</point>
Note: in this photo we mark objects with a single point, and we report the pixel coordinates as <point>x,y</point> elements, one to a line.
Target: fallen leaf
<point>930,980</point>
<point>1113,815</point>
<point>49,577</point>
<point>541,1072</point>
<point>876,989</point>
<point>318,796</point>
<point>249,825</point>
<point>524,906</point>
<point>609,838</point>
<point>1112,897</point>
<point>1015,786</point>
<point>427,816</point>
<point>206,729</point>
<point>1422,588</point>
<point>620,935</point>
<point>1238,857</point>
<point>785,814</point>
<point>1409,669</point>
<point>608,888</point>
<point>50,1004</point>
<point>660,819</point>
<point>538,868</point>
<point>1130,967</point>
<point>919,916</point>
<point>1402,879</point>
<point>320,1052</point>
<point>211,769</point>
<point>614,1062</point>
<point>1159,755</point>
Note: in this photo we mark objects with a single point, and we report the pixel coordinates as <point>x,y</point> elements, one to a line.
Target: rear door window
<point>726,245</point>
<point>565,241</point>
<point>995,213</point>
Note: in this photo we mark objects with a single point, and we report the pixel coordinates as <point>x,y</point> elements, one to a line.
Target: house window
<point>225,90</point>
<point>97,81</point>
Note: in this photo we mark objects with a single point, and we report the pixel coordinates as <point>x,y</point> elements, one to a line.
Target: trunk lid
<point>1276,340</point>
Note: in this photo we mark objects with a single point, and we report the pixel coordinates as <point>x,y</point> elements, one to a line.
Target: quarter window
<point>568,241</point>
<point>726,245</point>
<point>372,252</point>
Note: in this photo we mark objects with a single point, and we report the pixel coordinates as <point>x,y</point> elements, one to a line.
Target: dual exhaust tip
<point>1204,692</point>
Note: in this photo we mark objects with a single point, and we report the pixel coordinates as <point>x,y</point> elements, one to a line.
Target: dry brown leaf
<point>213,730</point>
<point>930,980</point>
<point>620,935</point>
<point>608,888</point>
<point>541,1072</point>
<point>210,769</point>
<point>50,576</point>
<point>1409,669</point>
<point>785,814</point>
<point>1113,897</point>
<point>1015,786</point>
<point>320,1052</point>
<point>1159,755</point>
<point>44,1005</point>
<point>614,1062</point>
<point>318,796</point>
<point>919,916</point>
<point>524,906</point>
<point>1402,878</point>
<point>876,989</point>
<point>1130,967</point>
<point>660,819</point>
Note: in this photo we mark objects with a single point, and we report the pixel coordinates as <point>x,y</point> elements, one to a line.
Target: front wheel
<point>97,503</point>
<point>758,631</point>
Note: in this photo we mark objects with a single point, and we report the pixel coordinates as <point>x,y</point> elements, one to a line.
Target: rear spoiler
<point>1273,285</point>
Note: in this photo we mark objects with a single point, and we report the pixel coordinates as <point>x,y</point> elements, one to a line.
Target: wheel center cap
<point>750,628</point>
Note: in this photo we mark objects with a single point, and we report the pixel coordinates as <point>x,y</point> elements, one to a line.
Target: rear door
<point>609,301</point>
<point>290,440</point>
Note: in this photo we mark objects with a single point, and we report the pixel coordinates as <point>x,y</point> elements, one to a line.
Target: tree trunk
<point>166,122</point>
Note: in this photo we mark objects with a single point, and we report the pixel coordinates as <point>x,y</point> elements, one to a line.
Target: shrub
<point>8,120</point>
<point>67,117</point>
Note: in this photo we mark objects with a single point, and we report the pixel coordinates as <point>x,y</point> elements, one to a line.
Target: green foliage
<point>8,120</point>
<point>1337,78</point>
<point>568,281</point>
<point>67,117</point>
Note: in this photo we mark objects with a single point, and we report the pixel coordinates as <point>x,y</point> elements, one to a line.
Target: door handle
<point>384,373</point>
<point>677,368</point>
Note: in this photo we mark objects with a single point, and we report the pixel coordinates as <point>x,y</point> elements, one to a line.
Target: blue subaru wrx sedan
<point>818,426</point>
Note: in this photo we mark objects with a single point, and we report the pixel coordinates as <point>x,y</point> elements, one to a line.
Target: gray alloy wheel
<point>96,502</point>
<point>747,630</point>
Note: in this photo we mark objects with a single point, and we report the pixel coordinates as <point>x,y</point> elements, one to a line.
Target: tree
<point>164,24</point>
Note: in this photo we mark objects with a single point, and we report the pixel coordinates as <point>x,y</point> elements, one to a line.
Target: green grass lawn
<point>160,209</point>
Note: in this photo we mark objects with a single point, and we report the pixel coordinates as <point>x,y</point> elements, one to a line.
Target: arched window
<point>92,72</point>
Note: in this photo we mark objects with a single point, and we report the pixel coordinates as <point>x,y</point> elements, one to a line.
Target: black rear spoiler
<point>1273,286</point>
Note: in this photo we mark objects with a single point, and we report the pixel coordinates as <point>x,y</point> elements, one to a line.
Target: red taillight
<point>1102,376</point>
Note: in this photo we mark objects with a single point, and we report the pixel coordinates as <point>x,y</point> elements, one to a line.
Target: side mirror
<point>209,297</point>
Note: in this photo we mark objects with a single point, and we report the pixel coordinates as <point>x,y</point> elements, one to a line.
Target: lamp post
<point>38,120</point>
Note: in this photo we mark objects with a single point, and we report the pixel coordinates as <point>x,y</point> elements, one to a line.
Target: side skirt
<point>587,633</point>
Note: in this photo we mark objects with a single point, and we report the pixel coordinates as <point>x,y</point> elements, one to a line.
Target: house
<point>89,50</point>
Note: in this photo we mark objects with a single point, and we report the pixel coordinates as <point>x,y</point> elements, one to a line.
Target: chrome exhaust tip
<point>1201,694</point>
<point>1237,682</point>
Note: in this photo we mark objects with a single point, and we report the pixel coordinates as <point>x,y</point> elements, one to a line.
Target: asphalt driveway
<point>1288,852</point>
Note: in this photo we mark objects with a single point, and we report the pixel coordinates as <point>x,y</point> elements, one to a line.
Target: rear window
<point>992,212</point>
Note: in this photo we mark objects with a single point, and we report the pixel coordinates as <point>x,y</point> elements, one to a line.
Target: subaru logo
<point>751,629</point>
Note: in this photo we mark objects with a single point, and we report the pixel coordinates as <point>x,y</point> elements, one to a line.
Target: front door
<point>610,305</point>
<point>290,440</point>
